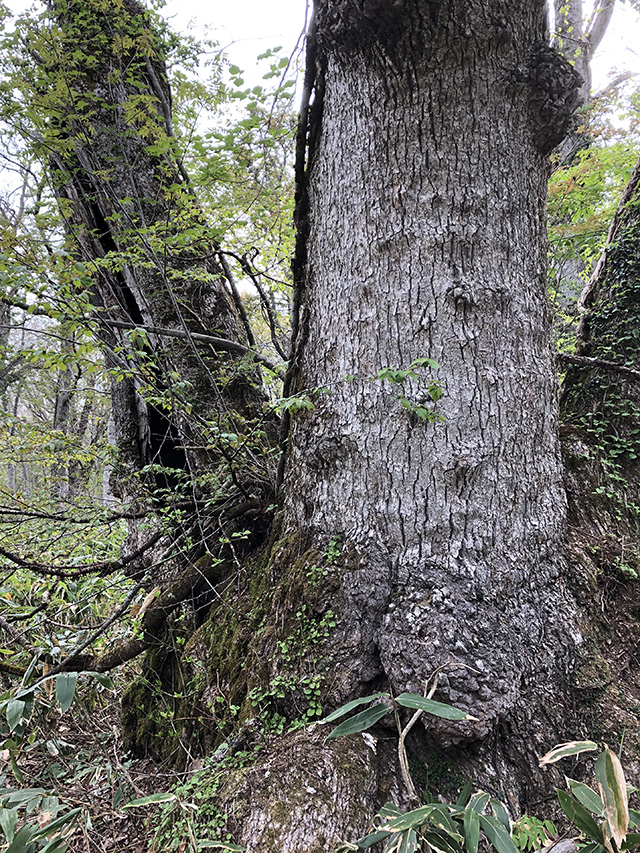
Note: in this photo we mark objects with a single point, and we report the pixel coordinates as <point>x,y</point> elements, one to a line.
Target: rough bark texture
<point>129,206</point>
<point>601,408</point>
<point>600,411</point>
<point>425,236</point>
<point>153,262</point>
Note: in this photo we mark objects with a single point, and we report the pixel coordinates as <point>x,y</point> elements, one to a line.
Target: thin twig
<point>402,752</point>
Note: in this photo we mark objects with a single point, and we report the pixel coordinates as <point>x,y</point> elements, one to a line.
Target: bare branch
<point>219,343</point>
<point>601,18</point>
<point>585,361</point>
<point>103,568</point>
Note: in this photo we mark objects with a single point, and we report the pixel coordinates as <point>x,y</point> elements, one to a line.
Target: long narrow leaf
<point>587,796</point>
<point>389,810</point>
<point>501,813</point>
<point>361,721</point>
<point>344,709</point>
<point>634,817</point>
<point>465,794</point>
<point>497,834</point>
<point>15,712</point>
<point>471,830</point>
<point>21,842</point>
<point>408,842</point>
<point>441,818</point>
<point>15,798</point>
<point>408,820</point>
<point>50,828</point>
<point>9,822</point>
<point>589,848</point>
<point>438,709</point>
<point>562,750</point>
<point>478,801</point>
<point>441,841</point>
<point>579,816</point>
<point>613,790</point>
<point>66,689</point>
<point>371,839</point>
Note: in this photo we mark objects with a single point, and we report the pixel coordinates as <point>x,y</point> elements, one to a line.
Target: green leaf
<point>56,845</point>
<point>408,820</point>
<point>497,834</point>
<point>471,830</point>
<point>8,822</point>
<point>465,794</point>
<point>16,798</point>
<point>613,790</point>
<point>21,842</point>
<point>634,817</point>
<point>632,840</point>
<point>52,827</point>
<point>66,689</point>
<point>344,709</point>
<point>372,838</point>
<point>389,810</point>
<point>587,796</point>
<point>160,797</point>
<point>592,847</point>
<point>407,842</point>
<point>579,816</point>
<point>562,750</point>
<point>101,678</point>
<point>438,709</point>
<point>441,841</point>
<point>501,813</point>
<point>361,721</point>
<point>14,712</point>
<point>425,362</point>
<point>478,801</point>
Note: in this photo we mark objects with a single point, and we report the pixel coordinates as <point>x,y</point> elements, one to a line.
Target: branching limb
<point>585,361</point>
<point>601,19</point>
<point>218,343</point>
<point>103,568</point>
<point>254,275</point>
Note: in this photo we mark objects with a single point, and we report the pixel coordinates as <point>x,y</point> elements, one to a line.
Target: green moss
<point>259,654</point>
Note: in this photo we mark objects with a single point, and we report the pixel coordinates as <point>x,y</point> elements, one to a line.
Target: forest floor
<point>78,757</point>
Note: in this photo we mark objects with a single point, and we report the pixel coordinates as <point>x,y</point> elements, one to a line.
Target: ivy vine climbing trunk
<point>600,403</point>
<point>184,378</point>
<point>174,338</point>
<point>128,205</point>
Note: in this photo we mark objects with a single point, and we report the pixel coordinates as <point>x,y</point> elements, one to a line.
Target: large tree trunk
<point>425,236</point>
<point>407,545</point>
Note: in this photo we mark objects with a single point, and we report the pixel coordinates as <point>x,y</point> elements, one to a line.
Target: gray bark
<point>426,237</point>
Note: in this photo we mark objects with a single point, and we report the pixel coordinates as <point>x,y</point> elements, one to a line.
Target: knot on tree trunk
<point>554,90</point>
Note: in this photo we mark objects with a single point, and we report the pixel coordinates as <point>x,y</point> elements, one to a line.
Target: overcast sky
<point>245,28</point>
<point>248,27</point>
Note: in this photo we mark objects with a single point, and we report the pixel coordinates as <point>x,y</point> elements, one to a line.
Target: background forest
<point>112,545</point>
